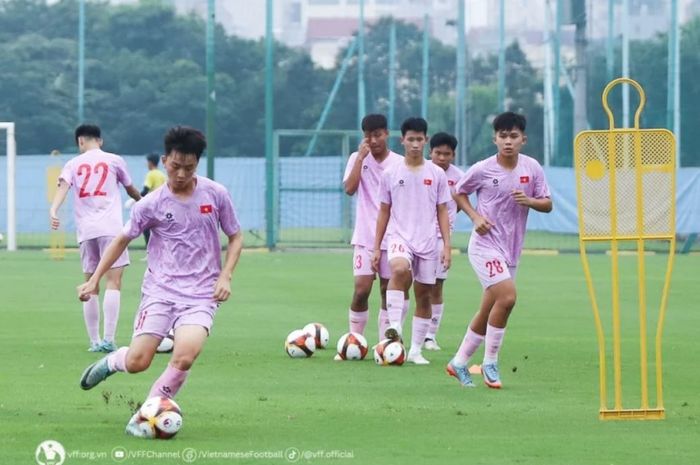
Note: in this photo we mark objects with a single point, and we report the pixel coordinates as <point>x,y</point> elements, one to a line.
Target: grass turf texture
<point>246,394</point>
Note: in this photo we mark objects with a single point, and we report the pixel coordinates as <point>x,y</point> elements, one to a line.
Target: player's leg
<point>504,300</point>
<point>437,306</point>
<point>89,258</point>
<point>400,281</point>
<point>364,278</point>
<point>111,302</point>
<point>189,341</point>
<point>383,318</point>
<point>423,281</point>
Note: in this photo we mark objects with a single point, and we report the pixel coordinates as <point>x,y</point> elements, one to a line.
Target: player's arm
<point>112,253</point>
<point>382,222</point>
<point>132,192</point>
<point>543,205</point>
<point>481,225</point>
<point>353,180</point>
<point>222,289</point>
<point>443,217</point>
<point>145,191</point>
<point>58,199</point>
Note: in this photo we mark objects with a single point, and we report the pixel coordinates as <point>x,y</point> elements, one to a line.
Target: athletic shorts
<point>92,250</point>
<point>362,263</point>
<point>490,266</point>
<point>440,271</point>
<point>157,317</point>
<point>423,269</point>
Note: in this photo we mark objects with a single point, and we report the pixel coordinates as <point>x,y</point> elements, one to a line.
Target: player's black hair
<point>153,158</point>
<point>185,140</point>
<point>91,131</point>
<point>414,124</point>
<point>443,138</point>
<point>374,121</point>
<point>509,120</point>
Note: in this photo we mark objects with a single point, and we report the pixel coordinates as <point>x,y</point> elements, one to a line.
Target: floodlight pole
<point>270,168</point>
<point>502,56</point>
<point>625,63</point>
<point>556,79</point>
<point>81,62</point>
<point>361,104</point>
<point>609,43</point>
<point>392,73</point>
<point>211,87</point>
<point>673,78</point>
<point>425,90</point>
<point>461,84</point>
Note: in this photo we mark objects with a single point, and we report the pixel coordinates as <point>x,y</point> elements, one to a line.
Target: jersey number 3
<point>87,170</point>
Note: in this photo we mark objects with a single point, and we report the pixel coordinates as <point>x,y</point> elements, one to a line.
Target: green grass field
<point>244,394</point>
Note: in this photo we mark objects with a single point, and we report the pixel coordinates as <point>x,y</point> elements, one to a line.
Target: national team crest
<point>524,179</point>
<point>204,209</point>
<point>428,182</point>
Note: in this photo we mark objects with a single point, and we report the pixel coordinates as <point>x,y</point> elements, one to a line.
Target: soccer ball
<point>167,343</point>
<point>352,346</point>
<point>300,344</point>
<point>389,352</point>
<point>320,334</point>
<point>159,418</point>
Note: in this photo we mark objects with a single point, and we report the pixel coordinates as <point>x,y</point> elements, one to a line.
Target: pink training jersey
<point>184,251</point>
<point>453,174</point>
<point>95,177</point>
<point>414,195</point>
<point>494,185</point>
<point>367,204</point>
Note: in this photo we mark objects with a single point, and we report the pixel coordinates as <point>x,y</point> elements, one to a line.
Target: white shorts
<point>92,250</point>
<point>362,263</point>
<point>490,266</point>
<point>423,269</point>
<point>440,271</point>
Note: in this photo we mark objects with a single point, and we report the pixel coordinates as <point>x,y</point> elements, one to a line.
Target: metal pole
<point>502,56</point>
<point>334,91</point>
<point>580,107</point>
<point>625,63</point>
<point>677,86</point>
<point>11,186</point>
<point>392,73</point>
<point>609,43</point>
<point>361,104</point>
<point>81,62</point>
<point>425,91</point>
<point>459,106</point>
<point>211,88</point>
<point>670,73</point>
<point>555,81</point>
<point>547,85</point>
<point>270,168</point>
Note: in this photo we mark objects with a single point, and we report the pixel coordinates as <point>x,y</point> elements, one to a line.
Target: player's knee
<point>402,273</point>
<point>183,361</point>
<point>508,301</point>
<point>137,362</point>
<point>361,293</point>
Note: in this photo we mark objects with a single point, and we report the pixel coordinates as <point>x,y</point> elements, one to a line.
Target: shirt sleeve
<point>469,183</point>
<point>443,189</point>
<point>66,173</point>
<point>348,167</point>
<point>138,220</point>
<point>385,188</point>
<point>228,220</point>
<point>122,172</point>
<point>541,188</point>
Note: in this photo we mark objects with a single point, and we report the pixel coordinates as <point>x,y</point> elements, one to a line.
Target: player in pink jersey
<point>507,186</point>
<point>96,176</point>
<point>184,282</point>
<point>414,195</point>
<point>362,175</point>
<point>442,153</point>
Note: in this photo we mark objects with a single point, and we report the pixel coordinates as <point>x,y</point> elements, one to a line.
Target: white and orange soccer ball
<point>300,344</point>
<point>159,418</point>
<point>352,346</point>
<point>389,352</point>
<point>320,334</point>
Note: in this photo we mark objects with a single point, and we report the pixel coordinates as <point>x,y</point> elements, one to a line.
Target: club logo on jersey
<point>364,167</point>
<point>495,182</point>
<point>169,217</point>
<point>400,182</point>
<point>204,209</point>
<point>450,182</point>
<point>524,179</point>
<point>428,182</point>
